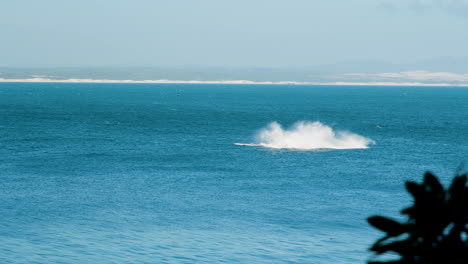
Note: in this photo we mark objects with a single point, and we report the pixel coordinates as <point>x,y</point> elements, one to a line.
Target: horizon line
<point>245,82</point>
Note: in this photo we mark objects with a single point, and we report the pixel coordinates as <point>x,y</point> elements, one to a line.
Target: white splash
<point>306,135</point>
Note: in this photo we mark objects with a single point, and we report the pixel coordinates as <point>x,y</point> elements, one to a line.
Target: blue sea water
<point>148,173</point>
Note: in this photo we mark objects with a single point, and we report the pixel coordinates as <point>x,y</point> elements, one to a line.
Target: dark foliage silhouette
<point>437,228</point>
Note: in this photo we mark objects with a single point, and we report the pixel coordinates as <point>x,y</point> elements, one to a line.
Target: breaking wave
<point>306,135</point>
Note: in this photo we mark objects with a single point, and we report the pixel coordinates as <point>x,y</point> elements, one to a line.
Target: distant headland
<point>383,76</point>
<point>246,82</point>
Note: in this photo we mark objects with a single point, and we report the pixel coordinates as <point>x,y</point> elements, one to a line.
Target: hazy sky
<point>228,32</point>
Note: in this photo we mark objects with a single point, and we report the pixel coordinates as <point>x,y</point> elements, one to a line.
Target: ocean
<point>212,173</point>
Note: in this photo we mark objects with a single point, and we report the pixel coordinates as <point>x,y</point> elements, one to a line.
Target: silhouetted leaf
<point>387,262</point>
<point>458,185</point>
<point>434,184</point>
<point>400,247</point>
<point>392,227</point>
<point>408,211</point>
<point>437,228</point>
<point>414,189</point>
<point>377,243</point>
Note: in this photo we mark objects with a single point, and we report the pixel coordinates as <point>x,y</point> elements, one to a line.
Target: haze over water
<point>149,173</point>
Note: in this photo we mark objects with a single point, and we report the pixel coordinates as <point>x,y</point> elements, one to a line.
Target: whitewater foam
<point>305,135</point>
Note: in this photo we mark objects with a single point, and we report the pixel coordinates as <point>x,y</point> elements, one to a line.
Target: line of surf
<point>163,81</point>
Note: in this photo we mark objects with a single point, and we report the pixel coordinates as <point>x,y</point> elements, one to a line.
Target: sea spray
<point>305,135</point>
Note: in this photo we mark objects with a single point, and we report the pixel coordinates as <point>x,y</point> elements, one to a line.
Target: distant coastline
<point>163,81</point>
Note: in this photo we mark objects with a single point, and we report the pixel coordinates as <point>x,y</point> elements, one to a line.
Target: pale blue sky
<point>229,33</point>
